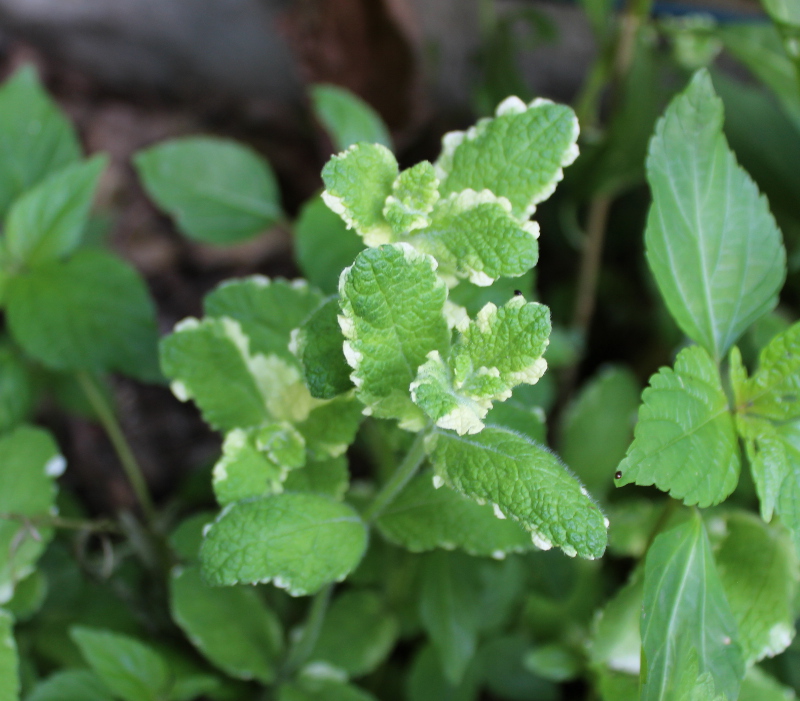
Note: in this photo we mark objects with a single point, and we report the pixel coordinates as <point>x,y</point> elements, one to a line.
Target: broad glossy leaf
<point>92,312</point>
<point>267,310</point>
<point>414,194</point>
<point>759,686</point>
<point>450,610</point>
<point>347,118</point>
<point>598,427</point>
<point>423,518</point>
<point>323,244</point>
<point>29,463</point>
<point>230,626</point>
<point>685,441</point>
<point>36,139</point>
<point>132,670</point>
<point>217,190</point>
<point>527,482</point>
<point>329,476</point>
<point>9,676</point>
<point>686,613</point>
<point>392,303</point>
<point>71,684</point>
<point>758,570</point>
<point>712,244</point>
<point>519,154</point>
<point>357,183</point>
<point>17,388</point>
<point>318,344</point>
<point>299,542</point>
<point>358,634</point>
<point>255,462</point>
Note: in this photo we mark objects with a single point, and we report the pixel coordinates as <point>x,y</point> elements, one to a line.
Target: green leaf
<point>256,462</point>
<point>685,612</point>
<point>36,139</point>
<point>474,298</point>
<point>500,661</point>
<point>685,441</point>
<point>48,221</point>
<point>347,118</point>
<point>712,244</point>
<point>519,414</point>
<point>554,662</point>
<point>423,518</point>
<point>518,155</point>
<point>615,686</point>
<point>759,686</point>
<point>331,427</point>
<point>17,388</point>
<point>499,350</point>
<point>427,682</point>
<point>758,570</point>
<point>393,302</point>
<point>186,539</point>
<point>450,610</point>
<point>300,542</point>
<point>358,633</point>
<point>9,661</point>
<point>29,463</point>
<point>218,191</point>
<point>527,483</point>
<point>323,244</point>
<point>414,193</point>
<point>92,312</point>
<point>616,642</point>
<point>310,687</point>
<point>318,345</point>
<point>326,476</point>
<point>132,670</point>
<point>71,684</point>
<point>357,183</point>
<point>267,310</point>
<point>788,503</point>
<point>231,626</point>
<point>597,427</point>
<point>766,454</point>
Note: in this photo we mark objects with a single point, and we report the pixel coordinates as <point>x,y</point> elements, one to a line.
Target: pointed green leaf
<point>427,682</point>
<point>36,139</point>
<point>92,312</point>
<point>450,610</point>
<point>318,345</point>
<point>329,476</point>
<point>393,302</point>
<point>299,542</point>
<point>598,427</point>
<point>712,244</point>
<point>17,388</point>
<point>71,684</point>
<point>616,641</point>
<point>267,310</point>
<point>519,154</point>
<point>217,190</point>
<point>759,686</point>
<point>766,454</point>
<point>29,463</point>
<point>347,118</point>
<point>788,505</point>
<point>9,676</point>
<point>685,611</point>
<point>758,570</point>
<point>554,662</point>
<point>358,634</point>
<point>319,687</point>
<point>414,193</point>
<point>528,483</point>
<point>357,183</point>
<point>48,221</point>
<point>132,670</point>
<point>331,426</point>
<point>422,518</point>
<point>255,462</point>
<point>230,626</point>
<point>685,441</point>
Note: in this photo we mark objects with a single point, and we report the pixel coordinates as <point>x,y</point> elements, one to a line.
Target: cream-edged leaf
<point>414,193</point>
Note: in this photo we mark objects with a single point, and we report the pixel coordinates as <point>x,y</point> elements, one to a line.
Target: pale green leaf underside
<point>519,154</point>
<point>299,542</point>
<point>685,441</point>
<point>423,518</point>
<point>392,303</point>
<point>218,190</point>
<point>758,570</point>
<point>9,675</point>
<point>230,626</point>
<point>527,483</point>
<point>712,244</point>
<point>347,118</point>
<point>686,620</point>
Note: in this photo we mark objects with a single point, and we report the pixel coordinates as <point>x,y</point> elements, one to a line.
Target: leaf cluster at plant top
<point>384,422</point>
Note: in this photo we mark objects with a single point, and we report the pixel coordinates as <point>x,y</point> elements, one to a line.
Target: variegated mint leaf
<point>519,154</point>
<point>255,462</point>
<point>357,183</point>
<point>474,235</point>
<point>414,193</point>
<point>331,426</point>
<point>392,303</point>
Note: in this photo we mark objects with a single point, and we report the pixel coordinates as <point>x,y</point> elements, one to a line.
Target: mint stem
<point>304,647</point>
<point>399,479</point>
